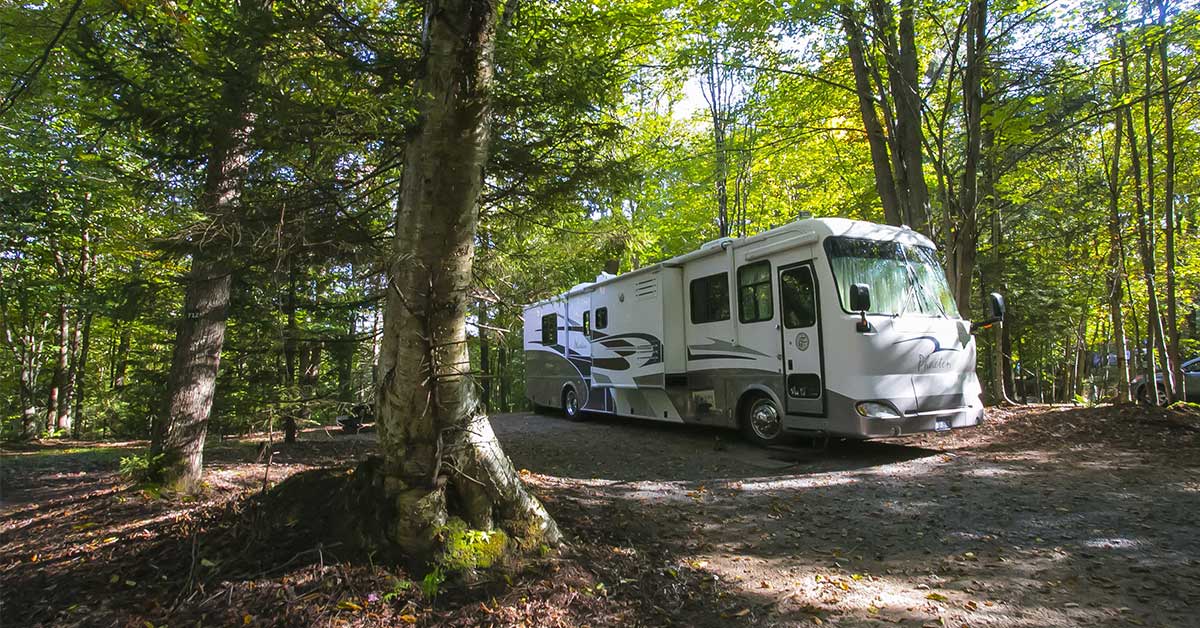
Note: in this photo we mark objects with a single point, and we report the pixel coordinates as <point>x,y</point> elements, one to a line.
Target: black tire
<point>1143,395</point>
<point>570,405</point>
<point>761,421</point>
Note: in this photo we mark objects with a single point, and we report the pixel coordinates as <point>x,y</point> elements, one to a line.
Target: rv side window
<point>550,329</point>
<point>798,296</point>
<point>601,318</point>
<point>754,293</point>
<point>587,324</point>
<point>710,298</point>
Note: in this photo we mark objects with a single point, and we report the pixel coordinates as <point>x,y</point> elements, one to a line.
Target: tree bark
<point>716,86</point>
<point>885,182</point>
<point>502,376</point>
<point>1156,324</point>
<point>1177,379</point>
<point>57,413</point>
<point>80,374</point>
<point>485,359</point>
<point>191,383</point>
<point>80,336</point>
<point>1145,235</point>
<point>966,237</point>
<point>441,458</point>
<point>1115,259</point>
<point>906,93</point>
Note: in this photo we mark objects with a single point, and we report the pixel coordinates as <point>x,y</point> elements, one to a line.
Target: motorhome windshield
<point>904,279</point>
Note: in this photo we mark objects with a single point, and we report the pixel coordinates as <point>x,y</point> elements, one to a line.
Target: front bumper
<point>935,421</point>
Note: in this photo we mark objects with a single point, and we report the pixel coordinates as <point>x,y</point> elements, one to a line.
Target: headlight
<point>877,410</point>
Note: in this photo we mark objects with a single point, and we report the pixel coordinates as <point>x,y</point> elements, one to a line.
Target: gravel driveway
<point>1046,516</point>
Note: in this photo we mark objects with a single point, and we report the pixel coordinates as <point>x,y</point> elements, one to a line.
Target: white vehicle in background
<point>822,326</point>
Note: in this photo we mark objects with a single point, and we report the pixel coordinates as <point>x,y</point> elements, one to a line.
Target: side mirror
<point>860,297</point>
<point>860,301</point>
<point>995,313</point>
<point>996,306</point>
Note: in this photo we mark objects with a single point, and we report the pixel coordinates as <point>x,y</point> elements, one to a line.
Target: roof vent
<point>715,243</point>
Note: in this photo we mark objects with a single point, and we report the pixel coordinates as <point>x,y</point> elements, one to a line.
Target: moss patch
<point>468,549</point>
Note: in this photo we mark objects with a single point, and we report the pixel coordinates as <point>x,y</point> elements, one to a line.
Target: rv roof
<point>820,227</point>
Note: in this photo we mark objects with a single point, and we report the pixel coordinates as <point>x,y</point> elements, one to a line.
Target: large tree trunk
<point>1177,379</point>
<point>1156,326</point>
<point>1145,235</point>
<point>966,237</point>
<point>1115,260</point>
<point>907,94</point>
<point>885,182</point>
<point>441,458</point>
<point>80,374</point>
<point>717,86</point>
<point>80,336</point>
<point>502,376</point>
<point>57,409</point>
<point>191,383</point>
<point>25,345</point>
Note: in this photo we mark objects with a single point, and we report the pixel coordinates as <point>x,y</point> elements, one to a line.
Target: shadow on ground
<point>633,450</point>
<point>1046,516</point>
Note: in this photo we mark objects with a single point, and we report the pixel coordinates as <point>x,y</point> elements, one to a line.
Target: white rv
<point>825,326</point>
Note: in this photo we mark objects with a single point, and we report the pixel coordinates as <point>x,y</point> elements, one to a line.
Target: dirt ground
<point>1044,516</point>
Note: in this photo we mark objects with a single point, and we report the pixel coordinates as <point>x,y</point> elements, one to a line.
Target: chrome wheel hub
<point>764,420</point>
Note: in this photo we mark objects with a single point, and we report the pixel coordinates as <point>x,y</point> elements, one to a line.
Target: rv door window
<point>602,318</point>
<point>710,298</point>
<point>550,329</point>
<point>754,293</point>
<point>587,326</point>
<point>799,298</point>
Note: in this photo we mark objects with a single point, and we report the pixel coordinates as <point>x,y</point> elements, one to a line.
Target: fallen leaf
<point>937,597</point>
<point>408,619</point>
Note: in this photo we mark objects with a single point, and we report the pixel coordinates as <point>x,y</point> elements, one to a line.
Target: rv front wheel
<point>762,424</point>
<point>570,404</point>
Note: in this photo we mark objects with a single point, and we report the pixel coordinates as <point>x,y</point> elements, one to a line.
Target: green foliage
<point>603,148</point>
<point>467,549</point>
<point>399,586</point>
<point>431,584</point>
<point>143,468</point>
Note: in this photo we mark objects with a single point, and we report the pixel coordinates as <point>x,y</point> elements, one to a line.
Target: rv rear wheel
<point>1143,395</point>
<point>762,423</point>
<point>570,404</point>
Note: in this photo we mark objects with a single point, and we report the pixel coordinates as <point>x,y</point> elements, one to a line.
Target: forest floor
<point>1044,516</point>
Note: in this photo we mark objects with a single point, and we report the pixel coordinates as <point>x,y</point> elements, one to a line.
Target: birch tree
<point>441,458</point>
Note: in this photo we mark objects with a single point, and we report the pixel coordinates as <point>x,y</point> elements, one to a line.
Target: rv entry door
<point>803,366</point>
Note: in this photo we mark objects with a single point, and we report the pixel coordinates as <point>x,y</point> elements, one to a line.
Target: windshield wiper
<point>913,280</point>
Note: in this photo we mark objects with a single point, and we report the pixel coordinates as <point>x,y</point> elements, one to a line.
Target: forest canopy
<point>1051,150</point>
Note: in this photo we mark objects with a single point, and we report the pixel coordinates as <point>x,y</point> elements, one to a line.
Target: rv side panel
<point>547,366</point>
<point>627,350</point>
